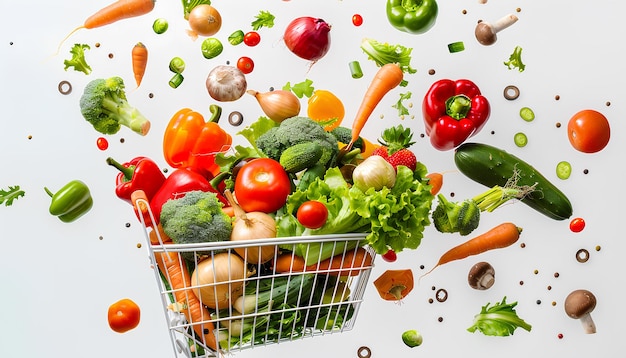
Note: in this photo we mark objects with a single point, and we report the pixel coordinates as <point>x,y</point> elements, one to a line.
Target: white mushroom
<point>486,33</point>
<point>578,305</point>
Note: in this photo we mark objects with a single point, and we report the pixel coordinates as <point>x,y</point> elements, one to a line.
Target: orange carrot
<point>503,235</point>
<point>119,10</point>
<point>175,270</point>
<point>288,262</point>
<point>435,180</point>
<point>139,56</point>
<point>387,78</point>
<point>350,263</point>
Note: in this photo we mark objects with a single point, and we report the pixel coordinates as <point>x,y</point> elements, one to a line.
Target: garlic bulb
<point>374,172</point>
<point>226,83</point>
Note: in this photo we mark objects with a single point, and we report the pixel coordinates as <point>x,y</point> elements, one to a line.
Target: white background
<point>57,280</point>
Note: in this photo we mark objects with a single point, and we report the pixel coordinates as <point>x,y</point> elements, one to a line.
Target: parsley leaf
<point>402,109</point>
<point>263,19</point>
<point>300,89</point>
<point>7,196</point>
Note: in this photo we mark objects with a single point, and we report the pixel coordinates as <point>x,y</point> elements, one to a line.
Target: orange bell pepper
<point>191,142</point>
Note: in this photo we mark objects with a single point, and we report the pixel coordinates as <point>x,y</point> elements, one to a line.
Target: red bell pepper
<point>454,111</point>
<point>179,182</point>
<point>190,142</point>
<point>140,173</point>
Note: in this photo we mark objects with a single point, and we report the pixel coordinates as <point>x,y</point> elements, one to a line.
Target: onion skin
<point>226,83</point>
<point>277,105</point>
<point>218,280</point>
<point>308,37</point>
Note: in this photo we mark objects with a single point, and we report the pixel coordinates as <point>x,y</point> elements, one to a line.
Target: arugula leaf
<point>498,320</point>
<point>402,110</point>
<point>13,193</point>
<point>263,19</point>
<point>300,89</point>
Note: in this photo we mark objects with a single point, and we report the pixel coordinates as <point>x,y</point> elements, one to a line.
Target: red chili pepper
<point>454,111</point>
<point>190,142</point>
<point>179,182</point>
<point>140,173</point>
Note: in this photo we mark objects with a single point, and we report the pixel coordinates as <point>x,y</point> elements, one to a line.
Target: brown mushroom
<point>486,33</point>
<point>481,276</point>
<point>578,305</point>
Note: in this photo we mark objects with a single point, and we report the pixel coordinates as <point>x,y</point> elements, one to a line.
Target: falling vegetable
<point>119,10</point>
<point>412,338</point>
<point>123,315</point>
<point>387,78</point>
<point>226,83</point>
<point>498,320</point>
<point>7,196</point>
<point>394,285</point>
<point>204,20</point>
<point>277,105</point>
<point>486,33</point>
<point>578,305</point>
<point>78,61</point>
<point>412,16</point>
<point>515,60</point>
<point>308,38</point>
<point>383,53</point>
<point>70,202</point>
<point>139,57</point>
<point>501,236</point>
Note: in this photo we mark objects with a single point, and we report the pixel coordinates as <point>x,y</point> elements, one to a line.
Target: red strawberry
<point>395,141</point>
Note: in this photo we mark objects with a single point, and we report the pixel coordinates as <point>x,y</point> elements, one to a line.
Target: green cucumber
<point>300,156</point>
<point>491,166</point>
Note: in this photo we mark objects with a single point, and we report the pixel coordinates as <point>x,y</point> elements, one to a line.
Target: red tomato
<point>262,185</point>
<point>588,131</point>
<point>251,38</point>
<point>102,143</point>
<point>357,20</point>
<point>312,214</point>
<point>124,315</point>
<point>245,64</point>
<point>390,256</point>
<point>577,224</point>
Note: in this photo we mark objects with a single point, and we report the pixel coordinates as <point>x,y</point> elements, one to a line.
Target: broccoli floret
<point>78,59</point>
<point>515,60</point>
<point>194,218</point>
<point>104,105</point>
<point>296,130</point>
<point>462,217</point>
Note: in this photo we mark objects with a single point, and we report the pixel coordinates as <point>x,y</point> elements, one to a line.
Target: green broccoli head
<point>105,106</point>
<point>78,61</point>
<point>194,218</point>
<point>462,217</point>
<point>296,130</point>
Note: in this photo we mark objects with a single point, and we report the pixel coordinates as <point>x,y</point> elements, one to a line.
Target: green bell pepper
<point>412,16</point>
<point>71,202</point>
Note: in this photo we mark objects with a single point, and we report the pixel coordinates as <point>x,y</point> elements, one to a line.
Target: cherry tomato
<point>577,224</point>
<point>251,38</point>
<point>312,214</point>
<point>124,315</point>
<point>390,256</point>
<point>245,64</point>
<point>323,106</point>
<point>102,143</point>
<point>262,185</point>
<point>357,20</point>
<point>588,131</point>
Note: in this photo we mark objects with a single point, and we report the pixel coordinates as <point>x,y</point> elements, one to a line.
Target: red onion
<point>308,37</point>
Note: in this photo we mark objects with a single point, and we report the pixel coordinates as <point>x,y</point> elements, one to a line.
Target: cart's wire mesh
<point>224,297</point>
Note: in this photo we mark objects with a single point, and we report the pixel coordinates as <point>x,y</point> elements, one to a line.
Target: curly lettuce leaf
<point>383,53</point>
<point>394,218</point>
<point>498,320</point>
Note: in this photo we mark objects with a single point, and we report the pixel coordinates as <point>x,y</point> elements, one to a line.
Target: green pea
<point>520,139</point>
<point>563,170</point>
<point>160,25</point>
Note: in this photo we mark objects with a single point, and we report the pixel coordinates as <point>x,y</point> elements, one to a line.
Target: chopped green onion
<point>160,25</point>
<point>520,139</point>
<point>355,69</point>
<point>456,47</point>
<point>563,170</point>
<point>176,80</point>
<point>527,114</point>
